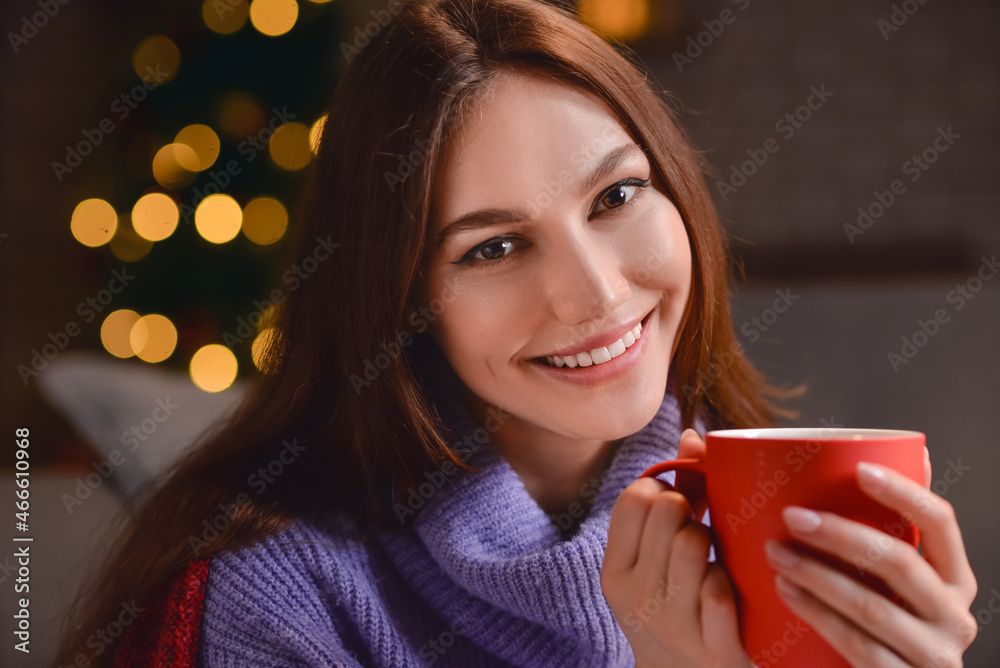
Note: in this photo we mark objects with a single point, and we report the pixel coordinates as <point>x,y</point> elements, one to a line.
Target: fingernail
<point>781,555</point>
<point>871,474</point>
<point>787,589</point>
<point>800,519</point>
<point>927,453</point>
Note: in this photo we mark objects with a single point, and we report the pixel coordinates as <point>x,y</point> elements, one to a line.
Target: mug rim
<point>850,434</point>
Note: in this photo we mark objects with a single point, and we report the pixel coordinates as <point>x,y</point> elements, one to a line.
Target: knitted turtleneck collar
<point>482,553</point>
<point>478,576</point>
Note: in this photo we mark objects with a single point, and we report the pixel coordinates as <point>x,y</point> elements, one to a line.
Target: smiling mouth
<point>599,355</point>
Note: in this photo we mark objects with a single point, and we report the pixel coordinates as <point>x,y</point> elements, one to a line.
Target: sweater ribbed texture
<point>478,576</point>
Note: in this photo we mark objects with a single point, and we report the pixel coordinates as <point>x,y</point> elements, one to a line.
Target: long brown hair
<point>340,384</point>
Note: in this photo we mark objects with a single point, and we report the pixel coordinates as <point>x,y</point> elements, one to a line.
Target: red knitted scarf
<point>165,635</point>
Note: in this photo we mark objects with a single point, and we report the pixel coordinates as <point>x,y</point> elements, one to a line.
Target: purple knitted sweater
<point>479,575</point>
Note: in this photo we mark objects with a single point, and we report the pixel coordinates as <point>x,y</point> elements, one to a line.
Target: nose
<point>585,281</point>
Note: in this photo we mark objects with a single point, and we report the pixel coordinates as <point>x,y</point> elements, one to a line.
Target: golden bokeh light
<point>225,17</point>
<point>240,115</point>
<point>155,216</point>
<point>620,19</point>
<point>260,346</point>
<point>273,17</point>
<point>127,245</point>
<point>213,368</point>
<point>264,220</point>
<point>94,222</point>
<point>319,2</point>
<point>218,218</point>
<point>203,142</point>
<point>168,166</point>
<point>315,133</point>
<point>115,332</point>
<point>153,338</point>
<point>156,59</point>
<point>289,146</point>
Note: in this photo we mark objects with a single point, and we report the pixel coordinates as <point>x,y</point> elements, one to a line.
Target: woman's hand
<point>865,627</point>
<point>675,608</point>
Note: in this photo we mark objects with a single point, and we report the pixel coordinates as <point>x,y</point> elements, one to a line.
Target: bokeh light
<point>240,115</point>
<point>203,142</point>
<point>127,245</point>
<point>155,216</point>
<point>213,368</point>
<point>153,338</point>
<point>225,17</point>
<point>620,19</point>
<point>168,166</point>
<point>264,220</point>
<point>115,332</point>
<point>94,222</point>
<point>273,17</point>
<point>315,133</point>
<point>260,346</point>
<point>218,218</point>
<point>289,146</point>
<point>156,59</point>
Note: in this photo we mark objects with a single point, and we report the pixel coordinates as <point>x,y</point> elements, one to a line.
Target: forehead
<point>525,134</point>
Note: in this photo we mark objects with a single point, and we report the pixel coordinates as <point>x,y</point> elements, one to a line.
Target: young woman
<point>525,308</point>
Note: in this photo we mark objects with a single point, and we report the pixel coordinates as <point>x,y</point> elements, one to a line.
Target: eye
<point>621,194</point>
<point>492,251</point>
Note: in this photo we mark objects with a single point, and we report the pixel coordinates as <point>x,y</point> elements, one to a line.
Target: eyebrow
<point>491,217</point>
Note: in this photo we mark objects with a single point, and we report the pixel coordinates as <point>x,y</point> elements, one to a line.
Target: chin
<point>633,410</point>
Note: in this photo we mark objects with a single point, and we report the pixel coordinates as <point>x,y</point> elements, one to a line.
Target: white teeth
<point>598,355</point>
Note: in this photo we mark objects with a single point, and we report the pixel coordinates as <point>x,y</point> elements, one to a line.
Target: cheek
<point>656,251</point>
<point>478,324</point>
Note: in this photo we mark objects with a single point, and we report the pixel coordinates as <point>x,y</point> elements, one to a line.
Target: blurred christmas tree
<point>213,145</point>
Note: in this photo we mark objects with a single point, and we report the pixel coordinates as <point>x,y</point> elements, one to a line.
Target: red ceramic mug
<point>750,475</point>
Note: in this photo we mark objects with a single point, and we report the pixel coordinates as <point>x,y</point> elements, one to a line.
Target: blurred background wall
<point>854,145</point>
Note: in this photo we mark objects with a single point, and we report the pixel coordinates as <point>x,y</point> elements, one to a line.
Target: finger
<point>667,514</point>
<point>691,445</point>
<point>863,607</point>
<point>940,535</point>
<point>627,520</point>
<point>895,562</point>
<point>927,468</point>
<point>692,485</point>
<point>859,648</point>
<point>719,618</point>
<point>685,571</point>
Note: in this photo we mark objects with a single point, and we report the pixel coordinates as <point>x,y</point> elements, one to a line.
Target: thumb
<point>691,445</point>
<point>692,485</point>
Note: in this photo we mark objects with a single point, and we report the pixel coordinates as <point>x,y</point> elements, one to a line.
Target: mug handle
<point>693,465</point>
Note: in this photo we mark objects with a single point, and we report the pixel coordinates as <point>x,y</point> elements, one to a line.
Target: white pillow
<point>140,417</point>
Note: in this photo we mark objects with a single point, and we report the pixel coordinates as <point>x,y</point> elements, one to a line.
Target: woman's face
<point>555,244</point>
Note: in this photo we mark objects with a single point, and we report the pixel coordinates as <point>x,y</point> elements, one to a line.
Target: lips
<point>597,350</point>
